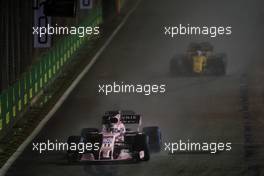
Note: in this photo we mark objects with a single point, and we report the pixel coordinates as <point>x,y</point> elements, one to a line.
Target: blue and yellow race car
<point>199,60</point>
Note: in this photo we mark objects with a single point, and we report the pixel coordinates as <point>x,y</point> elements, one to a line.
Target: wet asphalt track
<point>199,109</point>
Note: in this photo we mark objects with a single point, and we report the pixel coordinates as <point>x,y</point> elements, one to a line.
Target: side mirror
<point>60,8</point>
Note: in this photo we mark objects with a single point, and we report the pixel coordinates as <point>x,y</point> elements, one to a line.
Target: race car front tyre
<point>73,155</point>
<point>141,147</point>
<point>154,135</point>
<point>206,47</point>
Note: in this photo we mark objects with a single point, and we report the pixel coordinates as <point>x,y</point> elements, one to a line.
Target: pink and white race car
<point>115,142</point>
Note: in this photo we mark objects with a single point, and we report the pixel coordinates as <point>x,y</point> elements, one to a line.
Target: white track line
<point>23,146</point>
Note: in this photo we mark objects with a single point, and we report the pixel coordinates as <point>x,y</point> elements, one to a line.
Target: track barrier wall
<point>18,97</point>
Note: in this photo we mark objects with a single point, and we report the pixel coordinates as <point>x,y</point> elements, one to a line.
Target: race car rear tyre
<point>73,155</point>
<point>155,140</point>
<point>92,136</point>
<point>178,66</point>
<point>221,71</point>
<point>86,131</point>
<point>141,147</point>
<point>193,47</point>
<point>206,46</point>
<point>217,65</point>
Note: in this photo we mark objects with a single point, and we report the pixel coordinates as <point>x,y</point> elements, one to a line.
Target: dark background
<point>195,108</point>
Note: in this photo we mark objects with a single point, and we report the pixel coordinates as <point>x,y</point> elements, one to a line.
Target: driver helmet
<point>113,125</point>
<point>199,53</point>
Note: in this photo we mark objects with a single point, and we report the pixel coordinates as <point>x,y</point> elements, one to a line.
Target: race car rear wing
<point>131,119</point>
<point>125,118</point>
